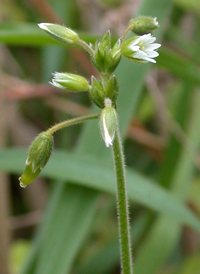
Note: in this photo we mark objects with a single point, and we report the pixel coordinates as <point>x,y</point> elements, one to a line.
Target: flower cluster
<point>103,91</point>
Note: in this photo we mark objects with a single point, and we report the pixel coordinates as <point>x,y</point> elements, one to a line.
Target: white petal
<point>153,46</point>
<point>136,41</point>
<point>155,21</point>
<point>151,53</point>
<point>56,85</point>
<point>150,60</point>
<point>140,54</point>
<point>107,138</point>
<point>134,48</point>
<point>147,39</point>
<point>44,26</point>
<point>59,74</point>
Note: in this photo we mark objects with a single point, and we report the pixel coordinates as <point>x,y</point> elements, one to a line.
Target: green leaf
<point>160,241</point>
<point>179,65</point>
<point>76,220</point>
<point>99,263</point>
<point>90,172</point>
<point>189,5</point>
<point>191,264</point>
<point>166,232</point>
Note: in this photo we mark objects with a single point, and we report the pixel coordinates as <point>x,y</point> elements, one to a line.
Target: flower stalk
<point>86,47</point>
<point>71,122</point>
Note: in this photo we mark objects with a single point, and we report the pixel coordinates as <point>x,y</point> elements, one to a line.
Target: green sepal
<point>28,176</point>
<point>128,52</point>
<point>105,42</point>
<point>97,93</point>
<point>112,89</point>
<point>98,57</point>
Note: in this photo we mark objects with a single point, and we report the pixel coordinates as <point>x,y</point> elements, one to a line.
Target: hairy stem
<point>72,122</point>
<point>125,32</point>
<point>122,206</point>
<point>86,47</point>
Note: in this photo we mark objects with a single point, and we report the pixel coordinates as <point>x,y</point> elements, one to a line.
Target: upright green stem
<point>122,205</point>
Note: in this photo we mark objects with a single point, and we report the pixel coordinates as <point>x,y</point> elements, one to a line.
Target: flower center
<point>141,45</point>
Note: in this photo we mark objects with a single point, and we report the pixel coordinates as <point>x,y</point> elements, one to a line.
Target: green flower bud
<point>143,25</point>
<point>112,88</point>
<point>38,155</point>
<point>97,93</point>
<point>70,82</point>
<point>105,57</point>
<point>60,33</point>
<point>108,123</point>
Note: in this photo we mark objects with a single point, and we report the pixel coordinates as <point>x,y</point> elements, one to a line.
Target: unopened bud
<point>143,25</point>
<point>97,93</point>
<point>60,33</point>
<point>112,88</point>
<point>108,123</point>
<point>38,155</point>
<point>105,57</point>
<point>70,82</point>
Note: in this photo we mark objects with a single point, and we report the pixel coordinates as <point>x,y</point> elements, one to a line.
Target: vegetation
<point>66,221</point>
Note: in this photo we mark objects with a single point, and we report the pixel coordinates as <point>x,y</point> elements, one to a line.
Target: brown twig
<point>67,106</point>
<point>138,133</point>
<point>25,220</point>
<point>17,89</point>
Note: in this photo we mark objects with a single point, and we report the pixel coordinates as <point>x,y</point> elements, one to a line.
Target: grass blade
<point>92,173</point>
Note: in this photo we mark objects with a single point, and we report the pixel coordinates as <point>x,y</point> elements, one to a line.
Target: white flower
<point>141,49</point>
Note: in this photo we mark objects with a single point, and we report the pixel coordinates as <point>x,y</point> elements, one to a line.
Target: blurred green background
<point>66,221</point>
